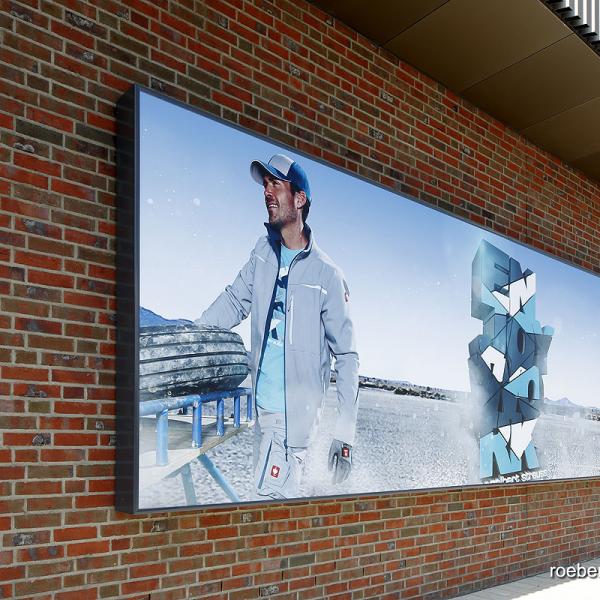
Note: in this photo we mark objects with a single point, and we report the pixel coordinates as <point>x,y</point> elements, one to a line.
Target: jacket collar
<point>275,239</point>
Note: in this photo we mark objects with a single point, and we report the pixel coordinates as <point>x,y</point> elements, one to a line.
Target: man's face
<point>279,201</point>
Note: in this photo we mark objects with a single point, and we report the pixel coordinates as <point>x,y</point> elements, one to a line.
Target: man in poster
<point>298,302</point>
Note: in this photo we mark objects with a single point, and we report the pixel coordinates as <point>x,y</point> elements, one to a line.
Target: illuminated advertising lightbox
<point>288,330</point>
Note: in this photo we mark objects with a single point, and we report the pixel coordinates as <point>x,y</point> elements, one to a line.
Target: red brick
<point>11,472</point>
<point>95,500</point>
<point>69,534</point>
<point>222,532</point>
<point>25,373</point>
<point>73,376</point>
<point>75,266</point>
<point>145,585</point>
<point>64,423</point>
<point>76,408</point>
<point>79,594</point>
<point>46,118</point>
<point>51,343</point>
<point>12,573</point>
<point>101,122</point>
<point>147,570</point>
<point>37,325</point>
<point>56,455</point>
<point>75,439</point>
<point>20,306</point>
<point>72,189</point>
<point>84,238</point>
<point>13,439</point>
<point>102,272</point>
<point>102,485</point>
<point>25,208</point>
<point>102,455</point>
<point>26,456</point>
<point>35,164</point>
<point>23,176</point>
<point>122,544</point>
<point>50,246</point>
<point>88,548</point>
<point>86,331</point>
<point>72,33</point>
<point>6,121</point>
<point>40,553</point>
<point>50,279</point>
<point>34,488</point>
<point>42,261</point>
<point>73,392</point>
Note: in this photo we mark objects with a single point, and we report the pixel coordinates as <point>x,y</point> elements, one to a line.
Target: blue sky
<point>408,267</point>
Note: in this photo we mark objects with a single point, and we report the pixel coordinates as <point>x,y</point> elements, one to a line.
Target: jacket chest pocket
<point>303,319</point>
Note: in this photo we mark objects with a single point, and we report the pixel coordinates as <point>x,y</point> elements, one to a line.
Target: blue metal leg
<point>221,417</point>
<point>218,477</point>
<point>188,485</point>
<point>249,407</point>
<point>197,425</point>
<point>162,438</point>
<point>236,411</point>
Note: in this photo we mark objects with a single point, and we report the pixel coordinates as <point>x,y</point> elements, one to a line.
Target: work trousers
<point>277,468</point>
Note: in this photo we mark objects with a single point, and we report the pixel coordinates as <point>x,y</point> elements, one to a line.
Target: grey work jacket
<point>318,325</point>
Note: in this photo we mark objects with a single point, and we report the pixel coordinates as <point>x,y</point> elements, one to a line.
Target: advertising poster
<point>388,346</point>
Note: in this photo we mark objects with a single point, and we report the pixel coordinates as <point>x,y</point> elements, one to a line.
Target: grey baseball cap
<point>282,167</point>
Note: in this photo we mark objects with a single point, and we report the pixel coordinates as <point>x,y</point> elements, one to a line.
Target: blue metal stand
<point>161,407</point>
<point>249,407</point>
<point>236,411</point>
<point>188,485</point>
<point>197,425</point>
<point>218,477</point>
<point>162,438</point>
<point>221,417</point>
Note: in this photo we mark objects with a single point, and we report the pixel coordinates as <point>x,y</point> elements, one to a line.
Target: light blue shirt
<point>270,385</point>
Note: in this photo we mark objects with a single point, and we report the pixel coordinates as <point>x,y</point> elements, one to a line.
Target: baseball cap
<point>283,167</point>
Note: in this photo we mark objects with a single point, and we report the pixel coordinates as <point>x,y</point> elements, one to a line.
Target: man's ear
<point>300,199</point>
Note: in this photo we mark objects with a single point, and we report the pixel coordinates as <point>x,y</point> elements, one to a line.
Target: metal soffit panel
<point>571,134</point>
<point>589,164</point>
<point>514,59</point>
<point>380,20</point>
<point>471,41</point>
<point>544,84</point>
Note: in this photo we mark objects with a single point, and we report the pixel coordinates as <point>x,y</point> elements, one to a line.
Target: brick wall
<point>287,70</point>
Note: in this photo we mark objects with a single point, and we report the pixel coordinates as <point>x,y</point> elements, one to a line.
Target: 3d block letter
<point>506,362</point>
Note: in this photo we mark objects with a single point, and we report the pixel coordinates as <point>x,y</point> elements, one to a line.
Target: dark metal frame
<point>127,359</point>
<point>127,364</point>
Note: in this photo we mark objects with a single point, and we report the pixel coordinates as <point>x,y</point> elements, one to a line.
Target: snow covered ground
<point>402,442</point>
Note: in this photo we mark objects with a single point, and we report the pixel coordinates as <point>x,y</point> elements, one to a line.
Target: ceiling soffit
<point>465,41</point>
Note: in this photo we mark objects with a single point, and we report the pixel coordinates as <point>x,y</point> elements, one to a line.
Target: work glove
<point>340,460</point>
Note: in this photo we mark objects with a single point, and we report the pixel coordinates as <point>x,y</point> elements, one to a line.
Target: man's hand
<point>340,460</point>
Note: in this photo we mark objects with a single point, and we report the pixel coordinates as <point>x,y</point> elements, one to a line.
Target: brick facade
<point>289,71</point>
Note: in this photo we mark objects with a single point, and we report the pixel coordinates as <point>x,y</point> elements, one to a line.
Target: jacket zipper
<point>284,337</point>
<point>291,319</point>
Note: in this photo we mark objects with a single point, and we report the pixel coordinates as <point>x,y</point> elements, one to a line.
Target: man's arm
<point>233,305</point>
<point>339,333</point>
